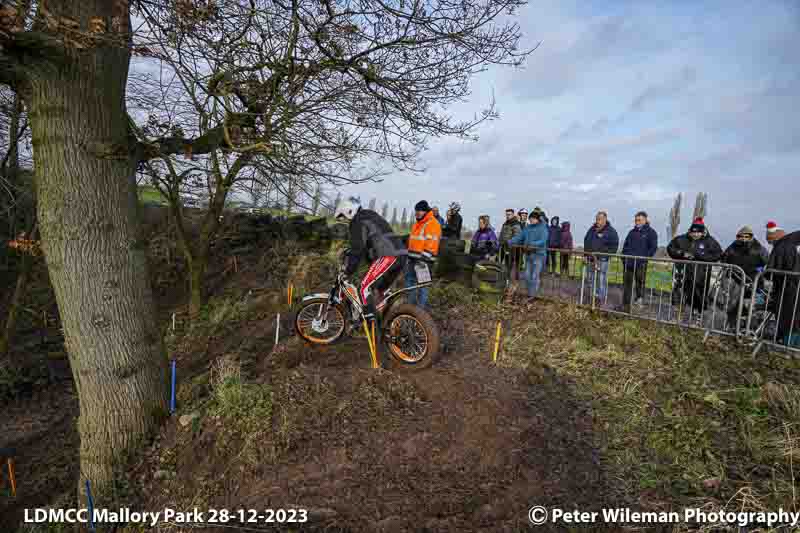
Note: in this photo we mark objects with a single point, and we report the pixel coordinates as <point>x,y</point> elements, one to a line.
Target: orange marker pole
<point>374,347</point>
<point>12,477</point>
<point>369,341</point>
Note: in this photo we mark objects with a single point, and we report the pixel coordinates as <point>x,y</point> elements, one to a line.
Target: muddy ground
<point>462,446</point>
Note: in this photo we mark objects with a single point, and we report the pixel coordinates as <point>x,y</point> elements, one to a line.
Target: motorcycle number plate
<point>423,273</point>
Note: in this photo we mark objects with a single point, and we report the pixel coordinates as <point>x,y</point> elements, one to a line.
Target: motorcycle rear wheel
<point>410,338</point>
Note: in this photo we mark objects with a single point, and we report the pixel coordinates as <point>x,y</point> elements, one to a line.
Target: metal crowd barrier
<point>774,312</point>
<point>706,296</point>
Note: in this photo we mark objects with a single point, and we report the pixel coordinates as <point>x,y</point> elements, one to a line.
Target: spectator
<point>601,238</point>
<point>749,255</point>
<point>484,242</point>
<point>553,242</point>
<point>423,247</point>
<point>534,238</point>
<point>510,229</point>
<point>438,216</point>
<point>542,216</point>
<point>566,244</point>
<point>692,281</point>
<point>784,300</point>
<point>522,215</point>
<point>453,228</point>
<point>642,241</point>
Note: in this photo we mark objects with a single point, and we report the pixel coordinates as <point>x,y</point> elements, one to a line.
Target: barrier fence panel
<point>693,294</point>
<point>774,311</point>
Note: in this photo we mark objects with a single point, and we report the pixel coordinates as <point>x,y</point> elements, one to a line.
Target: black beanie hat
<point>422,205</point>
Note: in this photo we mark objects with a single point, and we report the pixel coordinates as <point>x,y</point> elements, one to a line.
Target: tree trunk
<point>198,266</point>
<point>89,225</point>
<point>25,267</point>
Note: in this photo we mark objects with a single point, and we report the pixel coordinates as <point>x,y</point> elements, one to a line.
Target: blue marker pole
<point>90,504</point>
<point>172,391</point>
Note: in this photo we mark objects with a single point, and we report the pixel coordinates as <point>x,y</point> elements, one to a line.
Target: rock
<point>185,420</point>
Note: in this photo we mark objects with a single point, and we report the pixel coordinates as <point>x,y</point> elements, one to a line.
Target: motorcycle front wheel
<point>314,328</point>
<point>410,338</point>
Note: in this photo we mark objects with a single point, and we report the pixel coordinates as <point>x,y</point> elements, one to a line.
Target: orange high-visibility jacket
<point>423,243</point>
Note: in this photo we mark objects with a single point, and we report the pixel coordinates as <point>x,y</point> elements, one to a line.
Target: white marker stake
<point>277,328</point>
<point>173,321</point>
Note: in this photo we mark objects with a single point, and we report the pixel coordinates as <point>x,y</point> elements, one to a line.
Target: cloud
<point>626,104</point>
<point>666,89</point>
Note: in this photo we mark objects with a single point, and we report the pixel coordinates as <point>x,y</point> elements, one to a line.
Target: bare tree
<point>700,206</point>
<point>404,218</point>
<point>394,217</point>
<point>372,203</point>
<point>675,216</point>
<point>317,200</point>
<point>385,210</point>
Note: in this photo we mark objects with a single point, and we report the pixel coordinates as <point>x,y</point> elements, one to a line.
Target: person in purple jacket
<point>484,242</point>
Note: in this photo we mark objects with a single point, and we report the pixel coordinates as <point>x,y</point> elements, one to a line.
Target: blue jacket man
<point>601,237</point>
<point>642,240</point>
<point>534,236</point>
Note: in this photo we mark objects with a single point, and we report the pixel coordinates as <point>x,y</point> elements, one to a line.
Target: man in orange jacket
<point>423,248</point>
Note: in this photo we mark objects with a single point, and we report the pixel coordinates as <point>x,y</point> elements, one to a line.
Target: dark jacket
<point>604,240</point>
<point>371,237</point>
<point>640,242</point>
<point>785,256</point>
<point>566,237</point>
<point>705,249</point>
<point>484,241</point>
<point>554,239</point>
<point>750,257</point>
<point>511,228</point>
<point>453,228</point>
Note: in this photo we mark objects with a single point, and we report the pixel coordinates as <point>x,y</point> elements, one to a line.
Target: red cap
<point>772,227</point>
<point>699,220</point>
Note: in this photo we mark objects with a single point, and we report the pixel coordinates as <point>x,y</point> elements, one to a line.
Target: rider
<point>371,237</point>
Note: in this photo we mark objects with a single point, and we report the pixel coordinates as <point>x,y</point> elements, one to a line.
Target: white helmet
<point>348,208</point>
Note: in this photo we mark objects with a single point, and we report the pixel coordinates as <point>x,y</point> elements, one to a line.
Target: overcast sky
<point>623,106</point>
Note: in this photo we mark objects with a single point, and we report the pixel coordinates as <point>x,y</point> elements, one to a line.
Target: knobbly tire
<point>396,357</point>
<point>336,330</point>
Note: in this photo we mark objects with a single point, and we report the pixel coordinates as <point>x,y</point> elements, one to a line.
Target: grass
<point>150,195</point>
<point>680,423</point>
